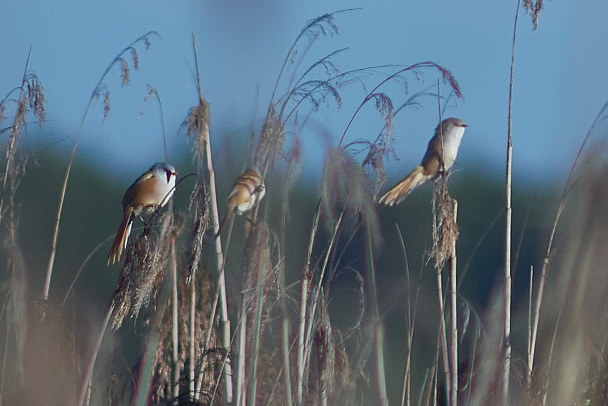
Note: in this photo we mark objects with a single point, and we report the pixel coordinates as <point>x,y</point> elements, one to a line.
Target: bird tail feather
<point>223,222</point>
<point>399,192</point>
<point>122,236</point>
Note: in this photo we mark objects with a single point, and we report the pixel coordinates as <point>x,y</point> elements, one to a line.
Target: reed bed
<point>236,318</point>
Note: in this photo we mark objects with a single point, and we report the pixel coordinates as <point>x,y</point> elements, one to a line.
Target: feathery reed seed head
<point>271,139</point>
<point>198,127</point>
<point>344,184</point>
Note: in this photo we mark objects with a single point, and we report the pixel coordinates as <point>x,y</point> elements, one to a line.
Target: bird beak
<point>464,125</point>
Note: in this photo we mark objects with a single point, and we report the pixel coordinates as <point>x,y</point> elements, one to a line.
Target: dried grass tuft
<point>30,100</point>
<point>125,73</point>
<point>445,227</point>
<point>534,8</point>
<point>35,96</point>
<point>141,274</point>
<point>201,209</point>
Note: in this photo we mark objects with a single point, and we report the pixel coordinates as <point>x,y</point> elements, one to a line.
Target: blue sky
<point>561,74</point>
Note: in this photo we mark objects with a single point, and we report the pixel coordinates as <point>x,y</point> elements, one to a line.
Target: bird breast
<point>154,191</point>
<point>451,143</point>
<point>245,197</point>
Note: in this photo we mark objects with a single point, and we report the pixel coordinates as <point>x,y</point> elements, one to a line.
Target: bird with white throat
<point>151,191</point>
<point>438,159</point>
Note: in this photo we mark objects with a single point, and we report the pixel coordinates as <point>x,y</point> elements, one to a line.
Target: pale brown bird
<point>248,189</point>
<point>147,194</point>
<point>439,158</point>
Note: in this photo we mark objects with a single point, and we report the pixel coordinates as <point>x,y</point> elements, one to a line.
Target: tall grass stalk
<point>316,293</point>
<point>97,90</point>
<point>305,282</point>
<point>85,390</point>
<point>285,322</point>
<point>530,352</point>
<point>445,235</point>
<point>203,139</point>
<point>380,367</point>
<point>286,363</point>
<point>241,386</point>
<point>506,363</point>
<point>260,266</point>
<point>177,367</point>
<point>406,392</point>
<point>192,343</point>
<point>443,340</point>
<point>378,326</point>
<point>425,395</point>
<point>454,315</point>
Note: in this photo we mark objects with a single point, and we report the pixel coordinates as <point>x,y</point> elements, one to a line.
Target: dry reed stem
<point>200,206</point>
<point>506,339</point>
<point>454,314</point>
<point>445,235</point>
<point>325,355</point>
<point>85,389</point>
<point>305,290</point>
<point>442,344</point>
<point>177,365</point>
<point>410,320</point>
<point>200,118</point>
